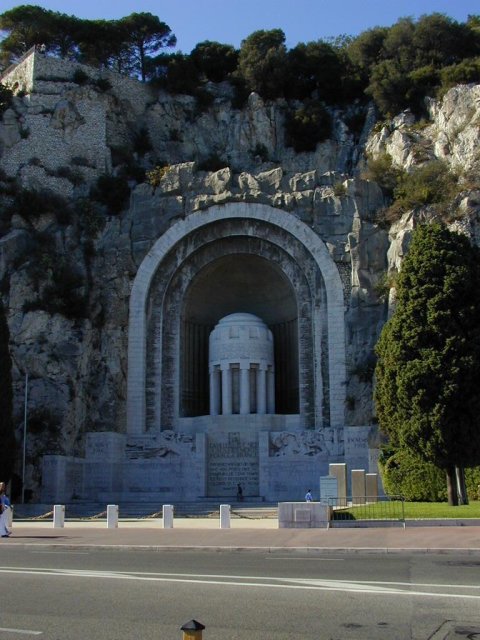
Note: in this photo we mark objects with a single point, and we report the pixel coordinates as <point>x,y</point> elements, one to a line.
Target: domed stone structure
<point>241,366</point>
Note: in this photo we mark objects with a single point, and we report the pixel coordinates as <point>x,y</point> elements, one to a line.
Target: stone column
<point>371,485</point>
<point>358,486</point>
<point>270,391</point>
<point>244,388</point>
<point>226,389</point>
<point>214,391</point>
<point>339,470</point>
<point>262,389</point>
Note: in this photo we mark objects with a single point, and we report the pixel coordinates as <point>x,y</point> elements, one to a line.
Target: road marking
<point>306,559</point>
<point>69,553</point>
<point>365,587</point>
<point>23,631</point>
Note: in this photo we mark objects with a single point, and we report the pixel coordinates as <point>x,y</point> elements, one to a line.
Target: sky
<point>230,21</point>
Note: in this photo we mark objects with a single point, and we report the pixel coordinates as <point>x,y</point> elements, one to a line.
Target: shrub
<point>75,177</point>
<point>429,184</point>
<point>381,170</point>
<point>112,191</point>
<point>307,126</point>
<point>462,73</point>
<point>6,97</point>
<point>154,177</point>
<point>472,480</point>
<point>103,84</point>
<point>403,473</point>
<point>260,151</point>
<point>204,100</point>
<point>90,216</point>
<point>121,154</point>
<point>62,295</point>
<point>241,92</point>
<point>32,204</point>
<point>339,189</point>
<point>141,142</point>
<point>80,161</point>
<point>213,163</point>
<point>43,420</point>
<point>80,77</point>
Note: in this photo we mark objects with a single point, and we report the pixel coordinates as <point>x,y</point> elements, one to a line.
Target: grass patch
<point>386,510</point>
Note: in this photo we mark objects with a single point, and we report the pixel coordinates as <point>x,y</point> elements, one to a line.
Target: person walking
<point>4,506</point>
<point>239,492</point>
<point>308,496</point>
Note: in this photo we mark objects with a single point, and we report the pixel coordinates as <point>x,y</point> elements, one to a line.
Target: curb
<point>310,551</point>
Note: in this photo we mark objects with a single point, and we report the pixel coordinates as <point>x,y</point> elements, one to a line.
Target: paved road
<point>68,594</point>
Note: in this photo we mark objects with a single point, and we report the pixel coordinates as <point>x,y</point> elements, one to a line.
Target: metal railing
<point>368,508</point>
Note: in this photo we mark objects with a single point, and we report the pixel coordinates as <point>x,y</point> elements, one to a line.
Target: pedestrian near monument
<point>4,506</point>
<point>308,496</point>
<point>239,492</point>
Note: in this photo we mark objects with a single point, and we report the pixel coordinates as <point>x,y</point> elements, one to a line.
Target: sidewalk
<point>244,535</point>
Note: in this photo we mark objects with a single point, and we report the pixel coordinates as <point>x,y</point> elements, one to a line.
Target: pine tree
<point>428,366</point>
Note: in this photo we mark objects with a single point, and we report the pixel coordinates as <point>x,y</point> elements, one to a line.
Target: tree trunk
<point>452,486</point>
<point>461,486</point>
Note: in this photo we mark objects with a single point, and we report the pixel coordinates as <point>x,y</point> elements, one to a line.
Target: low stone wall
<point>303,515</point>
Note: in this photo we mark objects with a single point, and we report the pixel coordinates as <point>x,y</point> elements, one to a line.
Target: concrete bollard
<point>224,516</point>
<point>192,630</point>
<point>10,517</point>
<point>58,516</point>
<point>112,516</point>
<point>167,516</point>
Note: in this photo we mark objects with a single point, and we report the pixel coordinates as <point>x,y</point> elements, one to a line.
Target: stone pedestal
<point>58,516</point>
<point>112,516</point>
<point>167,516</point>
<point>358,486</point>
<point>224,516</point>
<point>371,486</point>
<point>339,470</point>
<point>303,515</point>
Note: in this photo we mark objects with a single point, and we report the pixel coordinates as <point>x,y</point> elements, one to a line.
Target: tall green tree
<point>7,435</point>
<point>23,27</point>
<point>145,36</point>
<point>214,60</point>
<point>315,69</point>
<point>262,62</point>
<point>428,365</point>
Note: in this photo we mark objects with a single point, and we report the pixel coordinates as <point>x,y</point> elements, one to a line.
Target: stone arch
<point>195,222</point>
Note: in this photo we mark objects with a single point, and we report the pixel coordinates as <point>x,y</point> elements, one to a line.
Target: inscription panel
<point>232,459</point>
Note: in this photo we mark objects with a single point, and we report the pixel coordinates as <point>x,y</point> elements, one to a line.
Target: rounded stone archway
<point>275,267</point>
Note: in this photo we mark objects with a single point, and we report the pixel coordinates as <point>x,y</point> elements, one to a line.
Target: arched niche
<point>172,263</point>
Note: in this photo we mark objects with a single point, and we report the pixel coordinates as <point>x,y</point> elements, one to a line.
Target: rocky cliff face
<point>66,272</point>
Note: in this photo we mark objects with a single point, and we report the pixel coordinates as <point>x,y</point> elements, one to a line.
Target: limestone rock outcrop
<point>62,137</point>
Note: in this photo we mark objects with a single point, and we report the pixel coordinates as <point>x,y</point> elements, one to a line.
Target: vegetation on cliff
<point>397,66</point>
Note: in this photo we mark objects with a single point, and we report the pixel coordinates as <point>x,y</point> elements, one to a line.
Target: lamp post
<point>25,416</point>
